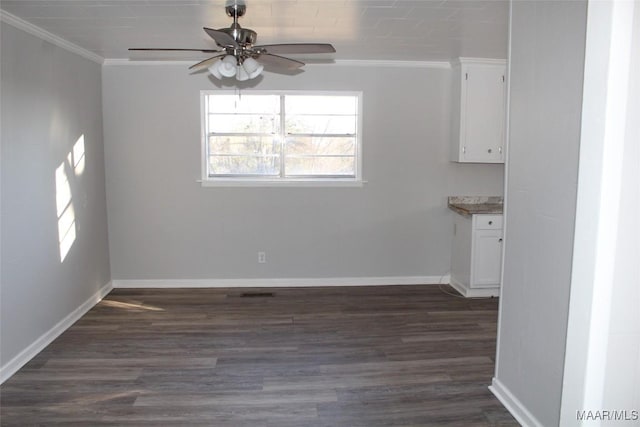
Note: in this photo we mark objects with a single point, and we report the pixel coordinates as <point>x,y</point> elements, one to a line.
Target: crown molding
<point>337,62</point>
<point>32,29</point>
<point>389,63</point>
<point>134,62</point>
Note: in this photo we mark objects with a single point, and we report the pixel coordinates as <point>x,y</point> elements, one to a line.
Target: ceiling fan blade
<point>206,63</point>
<point>173,49</point>
<point>294,48</point>
<point>223,39</point>
<point>279,61</point>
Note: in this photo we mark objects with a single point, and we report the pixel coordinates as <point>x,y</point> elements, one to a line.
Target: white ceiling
<point>402,30</point>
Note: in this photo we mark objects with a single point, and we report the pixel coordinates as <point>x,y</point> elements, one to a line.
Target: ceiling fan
<point>238,55</point>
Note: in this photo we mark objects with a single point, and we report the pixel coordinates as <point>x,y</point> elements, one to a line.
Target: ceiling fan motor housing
<point>243,36</point>
<point>235,10</point>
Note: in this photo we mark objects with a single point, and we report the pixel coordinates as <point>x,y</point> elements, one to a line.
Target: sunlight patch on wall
<point>66,214</point>
<point>78,156</point>
<point>64,201</point>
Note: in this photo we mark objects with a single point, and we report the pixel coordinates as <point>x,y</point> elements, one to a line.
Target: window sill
<point>235,182</point>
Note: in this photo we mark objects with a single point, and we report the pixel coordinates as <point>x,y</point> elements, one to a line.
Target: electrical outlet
<point>262,257</point>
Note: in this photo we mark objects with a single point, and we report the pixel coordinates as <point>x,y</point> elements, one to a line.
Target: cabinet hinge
<point>464,150</point>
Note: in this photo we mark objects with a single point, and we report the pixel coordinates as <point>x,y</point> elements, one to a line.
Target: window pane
<point>244,165</point>
<point>268,104</point>
<point>321,104</point>
<point>321,145</point>
<point>244,123</point>
<point>321,124</point>
<point>244,136</point>
<point>321,165</point>
<point>245,145</point>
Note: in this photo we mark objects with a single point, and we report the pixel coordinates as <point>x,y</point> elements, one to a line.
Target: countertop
<point>474,205</point>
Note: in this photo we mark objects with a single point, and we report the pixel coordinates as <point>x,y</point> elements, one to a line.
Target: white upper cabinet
<point>478,116</point>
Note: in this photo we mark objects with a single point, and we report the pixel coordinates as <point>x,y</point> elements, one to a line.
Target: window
<point>281,137</point>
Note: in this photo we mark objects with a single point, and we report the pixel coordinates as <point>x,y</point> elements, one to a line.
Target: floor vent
<point>256,294</point>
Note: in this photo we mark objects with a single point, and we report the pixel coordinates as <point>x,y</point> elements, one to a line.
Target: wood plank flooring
<point>359,356</point>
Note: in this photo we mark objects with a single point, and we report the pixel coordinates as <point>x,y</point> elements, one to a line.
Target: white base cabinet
<point>476,259</point>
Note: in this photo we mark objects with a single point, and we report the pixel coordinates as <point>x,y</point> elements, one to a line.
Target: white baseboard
<point>474,292</point>
<point>11,367</point>
<point>287,282</point>
<point>513,405</point>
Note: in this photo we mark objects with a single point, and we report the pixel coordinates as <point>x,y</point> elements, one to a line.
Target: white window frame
<point>257,181</point>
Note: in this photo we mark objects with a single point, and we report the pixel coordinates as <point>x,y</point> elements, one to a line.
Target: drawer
<point>487,222</point>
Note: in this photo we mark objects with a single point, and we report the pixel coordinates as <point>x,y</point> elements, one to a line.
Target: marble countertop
<point>474,205</point>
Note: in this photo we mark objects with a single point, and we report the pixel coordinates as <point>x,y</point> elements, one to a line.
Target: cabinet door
<point>486,258</point>
<point>483,113</point>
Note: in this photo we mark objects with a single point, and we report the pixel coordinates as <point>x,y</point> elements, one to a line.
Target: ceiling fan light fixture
<point>228,66</point>
<point>248,69</point>
<point>214,70</point>
<point>252,67</point>
<point>242,74</point>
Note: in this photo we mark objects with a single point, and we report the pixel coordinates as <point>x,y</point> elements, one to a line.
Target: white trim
<point>474,292</point>
<point>240,182</point>
<point>284,282</point>
<point>47,36</point>
<point>479,61</point>
<point>359,139</point>
<point>134,62</point>
<point>338,62</point>
<point>11,367</point>
<point>591,379</point>
<point>387,63</point>
<point>505,199</point>
<point>513,405</point>
<point>281,180</point>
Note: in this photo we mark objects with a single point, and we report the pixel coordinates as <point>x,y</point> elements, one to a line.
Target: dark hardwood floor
<point>359,356</point>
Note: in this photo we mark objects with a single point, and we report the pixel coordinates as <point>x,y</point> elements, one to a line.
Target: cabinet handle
<point>489,150</point>
<point>500,240</point>
<point>490,222</point>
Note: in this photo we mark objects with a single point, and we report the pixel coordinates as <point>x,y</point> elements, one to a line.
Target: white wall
<point>164,225</point>
<point>602,367</point>
<point>50,98</point>
<point>622,369</point>
<point>546,73</point>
